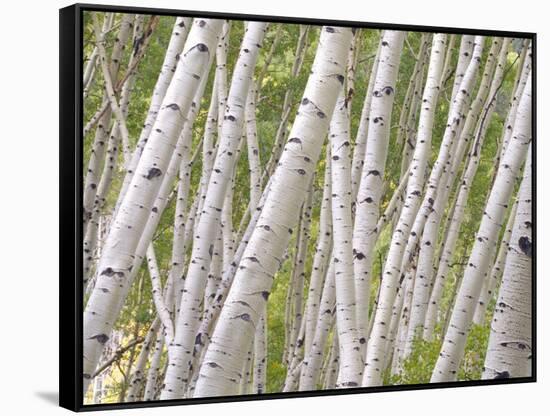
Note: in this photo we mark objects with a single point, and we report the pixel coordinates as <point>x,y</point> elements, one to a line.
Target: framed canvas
<point>260,207</point>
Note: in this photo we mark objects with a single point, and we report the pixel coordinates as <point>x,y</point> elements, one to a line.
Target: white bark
<point>367,208</point>
<point>321,258</point>
<point>509,353</point>
<point>219,374</point>
<point>441,179</point>
<point>168,69</point>
<point>492,281</point>
<point>342,229</point>
<point>313,358</point>
<point>117,259</point>
<point>181,349</point>
<point>415,185</point>
<point>97,154</point>
<point>483,250</point>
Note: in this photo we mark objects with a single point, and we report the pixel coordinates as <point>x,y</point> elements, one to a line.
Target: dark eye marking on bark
<point>181,24</point>
<point>349,384</point>
<point>213,364</point>
<point>525,246</point>
<point>340,79</point>
<point>320,114</point>
<point>335,157</point>
<point>305,101</point>
<point>502,374</point>
<point>330,29</point>
<point>101,338</point>
<point>265,294</point>
<point>230,118</point>
<point>153,173</point>
<point>373,172</point>
<point>295,140</point>
<point>245,317</point>
<point>201,23</point>
<point>377,119</point>
<point>301,171</point>
<point>253,259</point>
<point>173,106</point>
<point>155,209</point>
<point>198,340</point>
<point>384,43</point>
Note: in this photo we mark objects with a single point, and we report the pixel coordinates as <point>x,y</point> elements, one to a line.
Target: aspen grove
<point>274,207</point>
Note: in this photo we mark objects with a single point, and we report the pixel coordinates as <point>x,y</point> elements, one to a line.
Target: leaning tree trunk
<point>367,207</point>
<point>180,351</point>
<point>440,184</point>
<point>220,372</point>
<point>509,353</point>
<point>484,247</point>
<point>117,258</point>
<point>390,278</point>
<point>168,69</point>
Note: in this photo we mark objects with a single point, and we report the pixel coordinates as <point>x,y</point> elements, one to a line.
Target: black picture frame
<point>70,214</point>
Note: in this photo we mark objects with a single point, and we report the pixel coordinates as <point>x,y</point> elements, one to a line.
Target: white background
<point>29,205</point>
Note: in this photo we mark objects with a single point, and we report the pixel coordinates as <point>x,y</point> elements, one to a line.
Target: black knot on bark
<point>230,118</point>
<point>525,246</point>
<point>301,171</point>
<point>384,43</point>
<point>373,173</point>
<point>330,29</point>
<point>502,374</point>
<point>101,338</point>
<point>320,114</point>
<point>153,173</point>
<point>202,23</point>
<point>305,101</point>
<point>340,79</point>
<point>265,294</point>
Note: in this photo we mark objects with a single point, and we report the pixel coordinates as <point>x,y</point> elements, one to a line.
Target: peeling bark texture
<point>117,259</point>
<point>484,248</point>
<point>219,373</point>
<point>391,273</point>
<point>509,353</point>
<point>367,207</point>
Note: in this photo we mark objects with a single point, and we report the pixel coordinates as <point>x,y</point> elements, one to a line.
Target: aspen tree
<point>390,278</point>
<point>367,209</point>
<point>509,353</point>
<point>219,372</point>
<point>117,259</point>
<point>483,250</point>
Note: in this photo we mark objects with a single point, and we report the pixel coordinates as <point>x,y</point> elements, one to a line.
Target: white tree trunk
<point>509,353</point>
<point>117,259</point>
<point>180,351</point>
<point>220,372</point>
<point>367,207</point>
<point>391,274</point>
<point>342,228</point>
<point>483,251</point>
<point>168,69</point>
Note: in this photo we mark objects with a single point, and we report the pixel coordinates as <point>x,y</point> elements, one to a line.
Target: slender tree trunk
<point>367,208</point>
<point>415,185</point>
<point>180,350</point>
<point>509,353</point>
<point>483,251</point>
<point>117,258</point>
<point>219,374</point>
